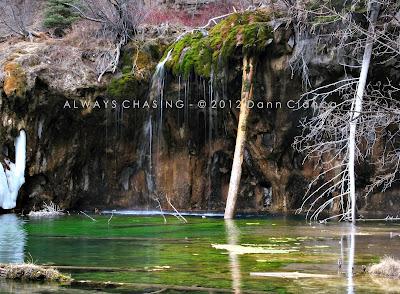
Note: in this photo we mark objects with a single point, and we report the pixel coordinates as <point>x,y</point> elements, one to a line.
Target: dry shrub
<point>388,267</point>
<point>31,272</point>
<point>83,34</point>
<point>48,210</point>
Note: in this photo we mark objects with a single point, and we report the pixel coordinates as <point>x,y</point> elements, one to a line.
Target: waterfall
<point>157,92</point>
<point>146,154</point>
<point>158,81</point>
<point>13,176</point>
<point>160,68</point>
<point>212,95</point>
<point>40,128</point>
<point>210,110</point>
<point>156,96</point>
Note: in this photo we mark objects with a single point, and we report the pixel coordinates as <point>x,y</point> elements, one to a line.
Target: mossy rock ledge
<point>200,52</point>
<point>137,64</point>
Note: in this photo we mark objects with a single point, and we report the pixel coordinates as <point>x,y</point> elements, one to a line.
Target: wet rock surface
<point>114,157</point>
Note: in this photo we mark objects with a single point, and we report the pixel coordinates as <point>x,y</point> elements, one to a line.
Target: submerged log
<point>246,96</point>
<point>291,275</point>
<point>94,268</point>
<point>155,287</point>
<point>106,269</point>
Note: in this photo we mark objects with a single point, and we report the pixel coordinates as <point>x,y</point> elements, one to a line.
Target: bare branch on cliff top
<point>16,17</point>
<point>119,21</point>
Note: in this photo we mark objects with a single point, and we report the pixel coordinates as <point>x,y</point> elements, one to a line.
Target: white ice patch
<point>12,177</point>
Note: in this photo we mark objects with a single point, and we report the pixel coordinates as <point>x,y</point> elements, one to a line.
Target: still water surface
<point>147,255</point>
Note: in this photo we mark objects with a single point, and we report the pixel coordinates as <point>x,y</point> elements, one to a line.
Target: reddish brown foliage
<point>196,18</point>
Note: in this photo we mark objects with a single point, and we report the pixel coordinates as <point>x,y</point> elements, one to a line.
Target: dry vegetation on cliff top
<point>71,62</point>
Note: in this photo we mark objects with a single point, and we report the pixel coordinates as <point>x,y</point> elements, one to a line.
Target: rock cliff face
<point>121,153</point>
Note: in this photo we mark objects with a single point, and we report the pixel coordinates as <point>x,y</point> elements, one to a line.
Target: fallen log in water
<point>292,275</point>
<point>94,268</point>
<point>155,287</point>
<point>107,269</point>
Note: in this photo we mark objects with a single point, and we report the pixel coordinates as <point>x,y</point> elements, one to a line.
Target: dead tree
<point>246,95</point>
<point>356,108</point>
<point>351,115</point>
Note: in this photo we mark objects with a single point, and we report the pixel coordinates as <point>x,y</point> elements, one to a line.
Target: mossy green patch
<point>123,86</point>
<point>247,33</point>
<point>138,60</point>
<point>126,62</point>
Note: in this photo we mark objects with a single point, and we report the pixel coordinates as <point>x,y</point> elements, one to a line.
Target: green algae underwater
<point>141,254</point>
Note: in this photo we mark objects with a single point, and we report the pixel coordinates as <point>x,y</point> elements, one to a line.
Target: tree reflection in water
<point>351,243</point>
<point>232,236</point>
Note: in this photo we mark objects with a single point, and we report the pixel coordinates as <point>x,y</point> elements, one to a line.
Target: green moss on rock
<point>137,63</point>
<point>192,53</point>
<point>242,33</point>
<point>123,86</point>
<point>139,59</point>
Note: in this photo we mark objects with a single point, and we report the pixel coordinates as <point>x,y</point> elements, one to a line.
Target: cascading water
<point>190,88</point>
<point>40,128</point>
<point>146,160</point>
<point>157,95</point>
<point>157,88</point>
<point>12,177</point>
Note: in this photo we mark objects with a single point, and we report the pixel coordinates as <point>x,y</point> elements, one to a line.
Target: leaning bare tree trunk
<point>357,108</point>
<point>246,96</point>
